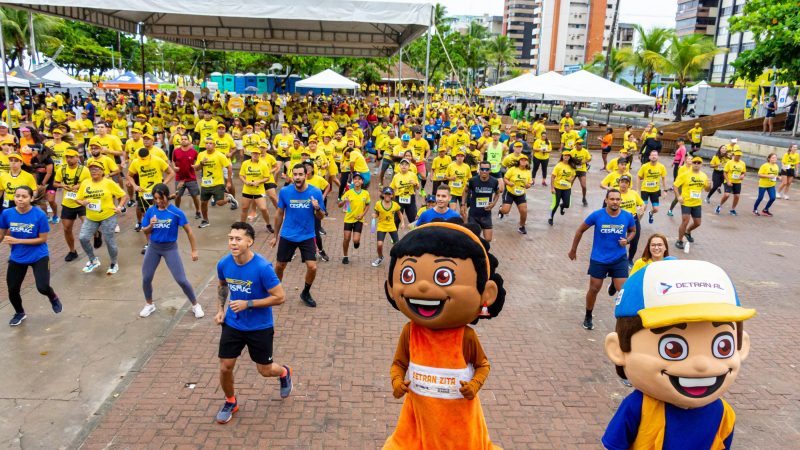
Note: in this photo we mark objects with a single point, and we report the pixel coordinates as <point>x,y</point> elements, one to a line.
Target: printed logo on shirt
<point>163,223</point>
<point>300,204</point>
<point>612,229</point>
<point>243,286</point>
<point>19,227</point>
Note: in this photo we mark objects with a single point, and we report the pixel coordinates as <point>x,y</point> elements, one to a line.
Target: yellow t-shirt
<point>735,171</point>
<point>421,148</point>
<point>568,139</point>
<point>318,182</point>
<point>10,184</point>
<point>205,128</point>
<point>696,135</point>
<point>439,167</point>
<point>71,177</point>
<point>360,164</point>
<point>790,160</point>
<point>385,221</point>
<point>692,185</point>
<point>564,175</point>
<point>5,165</point>
<point>651,176</point>
<point>771,170</point>
<point>120,127</point>
<point>542,149</point>
<point>718,163</point>
<point>101,196</point>
<point>581,157</point>
<point>517,180</point>
<point>150,171</point>
<point>404,185</point>
<point>631,147</point>
<point>255,171</point>
<point>58,153</point>
<point>461,172</point>
<point>564,121</point>
<point>212,165</point>
<point>630,201</point>
<point>224,143</point>
<point>358,204</point>
<point>251,141</point>
<point>612,179</point>
<point>109,165</point>
<point>109,142</point>
<point>132,146</point>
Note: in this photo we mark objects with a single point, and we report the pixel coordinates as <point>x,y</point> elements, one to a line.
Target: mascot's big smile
<point>426,308</point>
<point>696,387</point>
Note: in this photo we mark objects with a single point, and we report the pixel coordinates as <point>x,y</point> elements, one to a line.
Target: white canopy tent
<point>694,90</point>
<point>327,79</point>
<point>51,71</point>
<point>14,82</point>
<point>548,86</point>
<point>594,88</point>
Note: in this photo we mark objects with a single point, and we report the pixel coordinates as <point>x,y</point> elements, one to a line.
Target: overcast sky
<point>649,13</point>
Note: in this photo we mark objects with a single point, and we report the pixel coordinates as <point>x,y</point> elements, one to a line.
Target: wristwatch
<point>249,304</point>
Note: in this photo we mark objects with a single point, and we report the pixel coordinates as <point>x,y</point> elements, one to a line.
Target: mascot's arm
<point>400,363</point>
<point>473,353</point>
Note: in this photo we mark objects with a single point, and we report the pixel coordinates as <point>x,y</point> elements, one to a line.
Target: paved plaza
<point>97,376</point>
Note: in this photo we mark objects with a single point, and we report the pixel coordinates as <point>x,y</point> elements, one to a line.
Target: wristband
<point>249,304</point>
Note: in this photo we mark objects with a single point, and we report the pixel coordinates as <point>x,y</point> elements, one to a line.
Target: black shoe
<point>612,289</point>
<point>322,231</point>
<point>345,260</point>
<point>306,298</point>
<point>56,305</point>
<point>130,203</point>
<point>585,203</point>
<point>144,249</point>
<point>563,211</point>
<point>680,245</point>
<point>197,215</point>
<point>137,228</point>
<point>270,229</point>
<point>98,240</point>
<point>587,324</point>
<point>324,256</point>
<point>71,256</point>
<point>688,237</point>
<point>203,224</point>
<point>550,221</point>
<point>522,230</point>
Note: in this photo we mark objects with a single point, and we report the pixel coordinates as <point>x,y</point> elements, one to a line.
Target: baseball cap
<point>221,125</point>
<point>625,178</point>
<point>697,159</point>
<point>3,125</point>
<point>734,140</point>
<point>358,174</point>
<point>666,293</point>
<point>147,135</point>
<point>254,150</point>
<point>737,153</point>
<point>430,198</point>
<point>405,137</point>
<point>71,152</point>
<point>141,116</point>
<point>524,156</point>
<point>388,190</point>
<point>15,155</point>
<point>517,144</point>
<point>136,130</point>
<point>58,130</point>
<point>96,164</point>
<point>623,150</point>
<point>405,160</point>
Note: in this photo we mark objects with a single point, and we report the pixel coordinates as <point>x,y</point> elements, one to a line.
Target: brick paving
<point>551,385</point>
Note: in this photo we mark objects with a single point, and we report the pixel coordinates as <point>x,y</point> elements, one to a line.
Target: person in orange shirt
<point>443,279</point>
<point>605,144</point>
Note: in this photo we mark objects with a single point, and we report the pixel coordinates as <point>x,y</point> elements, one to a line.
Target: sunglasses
<point>697,163</point>
<point>485,169</point>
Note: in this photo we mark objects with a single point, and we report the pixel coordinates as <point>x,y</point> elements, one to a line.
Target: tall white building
<point>721,68</point>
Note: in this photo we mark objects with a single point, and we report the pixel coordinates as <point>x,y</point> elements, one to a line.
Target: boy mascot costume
<point>679,342</point>
<point>442,278</point>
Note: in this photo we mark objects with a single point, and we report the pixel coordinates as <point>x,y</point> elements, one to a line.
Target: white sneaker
<point>197,310</point>
<point>147,310</point>
<point>112,269</point>
<point>91,265</point>
<point>116,229</point>
<point>785,197</point>
<point>686,247</point>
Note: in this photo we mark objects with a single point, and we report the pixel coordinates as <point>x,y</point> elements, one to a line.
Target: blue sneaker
<point>17,319</point>
<point>718,209</point>
<point>734,213</point>
<point>286,383</point>
<point>55,220</point>
<point>669,212</point>
<point>226,413</point>
<point>56,304</point>
<point>649,216</point>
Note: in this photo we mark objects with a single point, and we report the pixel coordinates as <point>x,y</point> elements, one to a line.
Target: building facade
<point>624,36</point>
<point>696,17</point>
<point>721,69</point>
<point>519,25</point>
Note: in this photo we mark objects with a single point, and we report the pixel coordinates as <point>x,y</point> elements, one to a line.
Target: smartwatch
<point>249,304</point>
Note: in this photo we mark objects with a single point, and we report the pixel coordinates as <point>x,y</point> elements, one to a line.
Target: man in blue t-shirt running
<point>613,230</point>
<point>442,209</point>
<point>254,289</point>
<point>298,205</point>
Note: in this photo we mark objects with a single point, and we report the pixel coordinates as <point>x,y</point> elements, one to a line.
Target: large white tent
<point>548,86</point>
<point>14,82</point>
<point>51,71</point>
<point>327,79</point>
<point>594,88</point>
<point>694,90</point>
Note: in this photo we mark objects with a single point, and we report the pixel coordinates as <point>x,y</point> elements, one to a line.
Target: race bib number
<point>787,167</point>
<point>457,184</point>
<point>283,144</point>
<point>495,167</point>
<point>482,202</point>
<point>57,162</point>
<point>564,183</point>
<point>70,195</point>
<point>438,177</point>
<point>519,191</point>
<point>437,382</point>
<point>206,181</point>
<point>773,179</point>
<point>94,206</point>
<point>695,195</point>
<point>651,184</point>
<point>6,203</point>
<point>147,195</point>
<point>735,176</point>
<point>405,200</point>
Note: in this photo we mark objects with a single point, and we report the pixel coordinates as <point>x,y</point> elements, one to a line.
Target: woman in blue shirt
<point>25,229</point>
<point>161,222</point>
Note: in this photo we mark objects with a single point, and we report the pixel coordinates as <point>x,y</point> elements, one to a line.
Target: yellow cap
<point>15,156</point>
<point>96,163</point>
<point>71,152</point>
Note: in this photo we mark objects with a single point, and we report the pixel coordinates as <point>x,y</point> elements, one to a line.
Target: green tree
<point>652,41</point>
<point>685,58</point>
<point>473,44</point>
<point>619,61</point>
<point>16,32</point>
<point>501,52</point>
<point>775,25</point>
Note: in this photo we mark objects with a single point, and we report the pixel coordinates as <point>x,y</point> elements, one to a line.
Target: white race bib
<point>283,144</point>
<point>564,183</point>
<point>5,203</point>
<point>457,184</point>
<point>482,202</point>
<point>94,206</point>
<point>70,195</point>
<point>773,179</point>
<point>695,195</point>
<point>57,162</point>
<point>405,200</point>
<point>147,195</point>
<point>495,167</point>
<point>651,184</point>
<point>437,382</point>
<point>206,181</point>
<point>519,191</point>
<point>735,176</point>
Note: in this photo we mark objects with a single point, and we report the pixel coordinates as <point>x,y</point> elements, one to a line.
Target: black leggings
<point>717,179</point>
<point>560,198</point>
<point>634,244</point>
<point>16,275</point>
<point>317,236</point>
<point>540,163</point>
<point>344,179</point>
<point>410,209</point>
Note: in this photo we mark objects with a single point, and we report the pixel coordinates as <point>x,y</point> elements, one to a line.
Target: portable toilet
<point>291,82</point>
<point>261,83</point>
<point>216,77</point>
<point>227,83</point>
<point>250,81</point>
<point>238,83</point>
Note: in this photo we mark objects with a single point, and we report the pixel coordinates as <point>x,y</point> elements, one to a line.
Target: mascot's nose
<point>701,364</point>
<point>423,286</point>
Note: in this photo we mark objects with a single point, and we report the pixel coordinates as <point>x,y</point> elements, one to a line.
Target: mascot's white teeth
<point>696,382</point>
<point>416,301</point>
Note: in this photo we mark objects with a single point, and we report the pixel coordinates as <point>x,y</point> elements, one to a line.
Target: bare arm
<point>577,239</point>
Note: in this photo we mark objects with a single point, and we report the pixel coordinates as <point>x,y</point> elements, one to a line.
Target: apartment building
<point>696,17</point>
<point>519,24</point>
<point>625,35</point>
<point>721,68</point>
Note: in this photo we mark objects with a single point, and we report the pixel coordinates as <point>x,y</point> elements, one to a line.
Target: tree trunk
<point>679,107</point>
<point>648,81</point>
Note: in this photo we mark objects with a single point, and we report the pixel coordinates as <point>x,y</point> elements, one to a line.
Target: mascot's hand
<point>400,387</point>
<point>468,390</point>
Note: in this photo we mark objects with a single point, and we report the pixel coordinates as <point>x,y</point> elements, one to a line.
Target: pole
<point>141,50</point>
<point>608,50</point>
<point>427,68</point>
<point>33,39</point>
<point>119,50</point>
<point>399,82</point>
<point>5,72</point>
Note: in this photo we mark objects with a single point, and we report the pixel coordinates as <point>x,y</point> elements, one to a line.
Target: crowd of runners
<point>295,158</point>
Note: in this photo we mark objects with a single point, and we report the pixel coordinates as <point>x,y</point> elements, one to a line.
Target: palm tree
<point>16,32</point>
<point>474,50</point>
<point>617,64</point>
<point>649,41</point>
<point>502,53</point>
<point>441,19</point>
<point>685,58</point>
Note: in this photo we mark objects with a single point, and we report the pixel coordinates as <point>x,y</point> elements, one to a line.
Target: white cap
<point>3,125</point>
<point>734,140</point>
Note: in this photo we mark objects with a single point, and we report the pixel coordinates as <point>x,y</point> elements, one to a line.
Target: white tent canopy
<point>593,88</point>
<point>694,90</point>
<point>303,27</point>
<point>14,82</point>
<point>327,79</point>
<point>51,71</point>
<point>548,86</point>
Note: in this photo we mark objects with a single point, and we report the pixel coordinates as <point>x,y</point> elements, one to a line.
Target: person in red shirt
<point>183,159</point>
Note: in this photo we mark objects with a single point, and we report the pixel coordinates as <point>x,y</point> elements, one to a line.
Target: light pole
<point>111,47</point>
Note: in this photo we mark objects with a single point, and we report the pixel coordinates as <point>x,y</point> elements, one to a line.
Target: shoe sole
<point>18,323</point>
<point>222,422</point>
<point>588,328</point>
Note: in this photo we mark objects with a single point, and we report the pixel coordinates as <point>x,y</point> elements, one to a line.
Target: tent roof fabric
<point>694,89</point>
<point>303,27</point>
<point>51,71</point>
<point>408,73</point>
<point>600,90</point>
<point>35,81</point>
<point>327,79</point>
<point>14,82</point>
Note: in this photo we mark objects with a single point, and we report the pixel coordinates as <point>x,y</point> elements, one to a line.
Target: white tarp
<point>14,82</point>
<point>304,27</point>
<point>548,86</point>
<point>694,90</point>
<point>589,87</point>
<point>51,71</point>
<point>327,79</point>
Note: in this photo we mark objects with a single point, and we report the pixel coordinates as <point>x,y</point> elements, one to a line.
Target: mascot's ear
<point>613,350</point>
<point>388,292</point>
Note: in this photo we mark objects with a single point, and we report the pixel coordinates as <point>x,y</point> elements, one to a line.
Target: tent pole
<point>141,50</point>
<point>33,39</point>
<point>427,68</point>
<point>5,71</point>
<point>399,81</point>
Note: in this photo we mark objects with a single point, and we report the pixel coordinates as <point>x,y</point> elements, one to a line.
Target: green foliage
<point>502,53</point>
<point>620,60</point>
<point>16,32</point>
<point>775,25</point>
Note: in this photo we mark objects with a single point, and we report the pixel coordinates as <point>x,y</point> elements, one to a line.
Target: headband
<point>469,234</point>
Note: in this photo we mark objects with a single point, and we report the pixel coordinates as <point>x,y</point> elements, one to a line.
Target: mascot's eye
<point>443,276</point>
<point>673,348</point>
<point>723,346</point>
<point>407,275</point>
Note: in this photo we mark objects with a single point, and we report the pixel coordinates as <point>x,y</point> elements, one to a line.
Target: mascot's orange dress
<point>435,415</point>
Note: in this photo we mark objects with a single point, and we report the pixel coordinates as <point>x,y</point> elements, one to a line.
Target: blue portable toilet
<point>291,82</point>
<point>227,83</point>
<point>216,77</point>
<point>270,83</point>
<point>238,83</point>
<point>250,81</point>
<point>261,83</point>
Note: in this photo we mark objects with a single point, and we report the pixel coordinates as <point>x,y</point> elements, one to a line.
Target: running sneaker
<point>733,212</point>
<point>286,382</point>
<point>522,230</point>
<point>688,236</point>
<point>766,213</point>
<point>585,203</point>
<point>203,224</point>
<point>686,248</point>
<point>587,324</point>
<point>138,227</point>
<point>544,183</point>
<point>717,209</point>
<point>270,229</point>
<point>550,221</point>
<point>612,289</point>
<point>785,197</point>
<point>626,383</point>
<point>17,319</point>
<point>116,229</point>
<point>649,216</point>
<point>322,231</point>
<point>130,203</point>
<point>71,256</point>
<point>112,269</point>
<point>563,211</point>
<point>198,311</point>
<point>756,213</point>
<point>324,256</point>
<point>56,305</point>
<point>147,310</point>
<point>345,260</point>
<point>98,240</point>
<point>124,209</point>
<point>55,220</point>
<point>197,215</point>
<point>669,213</point>
<point>94,263</point>
<point>225,414</point>
<point>707,200</point>
<point>500,215</point>
<point>307,299</point>
<point>377,262</point>
<point>234,203</point>
<point>680,245</point>
<point>144,249</point>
